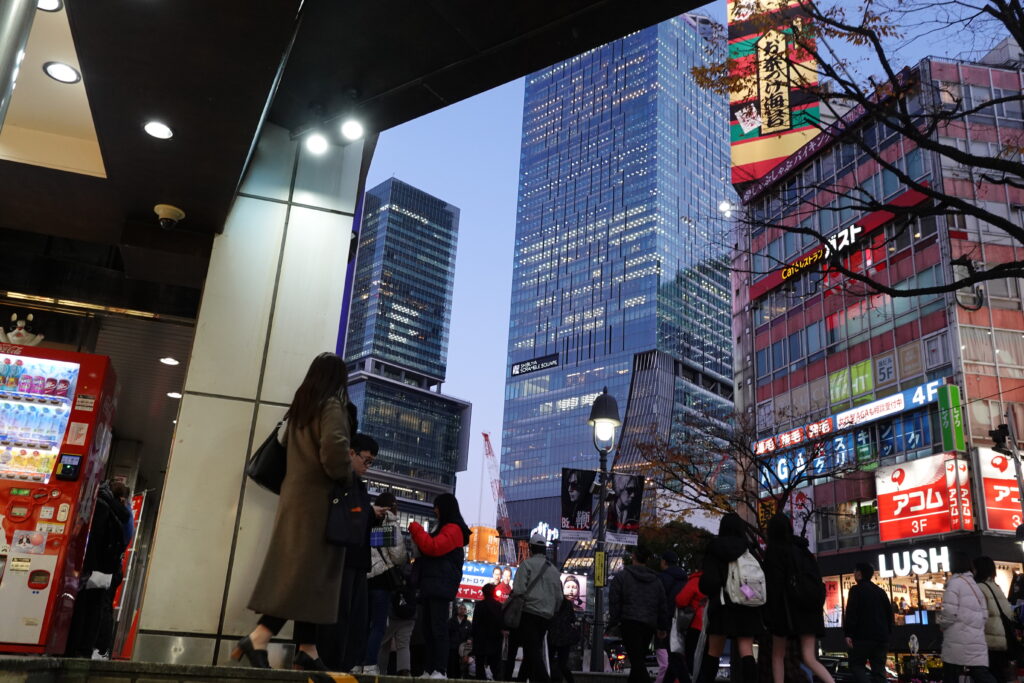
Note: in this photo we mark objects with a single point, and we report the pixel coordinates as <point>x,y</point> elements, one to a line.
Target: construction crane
<point>507,547</point>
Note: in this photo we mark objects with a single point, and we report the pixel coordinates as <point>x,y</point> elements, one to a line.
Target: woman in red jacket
<point>440,572</point>
<point>690,596</point>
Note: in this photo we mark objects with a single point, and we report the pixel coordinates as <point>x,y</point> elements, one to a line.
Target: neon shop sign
<point>837,243</point>
<point>919,562</point>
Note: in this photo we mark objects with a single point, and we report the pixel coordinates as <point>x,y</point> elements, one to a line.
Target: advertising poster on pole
<point>623,516</point>
<point>923,497</point>
<point>577,504</point>
<point>574,587</point>
<point>1002,496</point>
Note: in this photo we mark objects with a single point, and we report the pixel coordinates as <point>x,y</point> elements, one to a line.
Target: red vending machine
<point>56,412</point>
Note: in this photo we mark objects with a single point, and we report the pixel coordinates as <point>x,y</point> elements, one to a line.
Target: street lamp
<point>604,418</point>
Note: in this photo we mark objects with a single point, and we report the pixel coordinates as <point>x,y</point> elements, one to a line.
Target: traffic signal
<point>1000,435</point>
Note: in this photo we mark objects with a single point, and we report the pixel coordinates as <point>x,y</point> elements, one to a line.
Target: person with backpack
<point>537,580</point>
<point>487,634</point>
<point>440,573</point>
<point>734,582</point>
<point>383,578</point>
<point>398,636</point>
<point>796,595</point>
<point>101,569</point>
<point>962,621</point>
<point>562,636</point>
<point>867,625</point>
<point>1003,646</point>
<point>637,603</point>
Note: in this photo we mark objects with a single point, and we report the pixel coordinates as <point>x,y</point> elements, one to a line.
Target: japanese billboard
<point>623,516</point>
<point>475,575</point>
<point>577,504</point>
<point>773,110</point>
<point>1002,496</point>
<point>922,497</point>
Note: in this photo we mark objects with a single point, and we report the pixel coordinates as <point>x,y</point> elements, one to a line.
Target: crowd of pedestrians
<point>383,602</point>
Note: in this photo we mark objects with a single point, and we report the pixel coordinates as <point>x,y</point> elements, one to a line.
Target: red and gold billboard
<point>922,497</point>
<point>773,109</point>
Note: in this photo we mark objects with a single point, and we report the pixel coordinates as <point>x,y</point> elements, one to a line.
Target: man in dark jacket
<point>638,604</point>
<point>100,569</point>
<point>867,626</point>
<point>460,629</point>
<point>673,578</point>
<point>342,646</point>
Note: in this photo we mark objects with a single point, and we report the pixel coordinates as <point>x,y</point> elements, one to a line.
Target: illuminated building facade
<point>397,343</point>
<point>900,392</point>
<point>620,265</point>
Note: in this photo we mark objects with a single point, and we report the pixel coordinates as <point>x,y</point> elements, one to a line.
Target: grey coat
<point>301,574</point>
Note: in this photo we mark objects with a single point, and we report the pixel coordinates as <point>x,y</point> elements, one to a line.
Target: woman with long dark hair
<point>795,611</point>
<point>301,575</point>
<point>440,572</point>
<point>726,619</point>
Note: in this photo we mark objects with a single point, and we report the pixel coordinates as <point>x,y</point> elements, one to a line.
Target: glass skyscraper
<point>397,343</point>
<point>620,277</point>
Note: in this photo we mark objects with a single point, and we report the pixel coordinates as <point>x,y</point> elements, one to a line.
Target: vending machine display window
<point>36,397</point>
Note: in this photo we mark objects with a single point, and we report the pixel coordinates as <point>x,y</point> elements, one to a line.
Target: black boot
<point>749,669</point>
<point>708,669</point>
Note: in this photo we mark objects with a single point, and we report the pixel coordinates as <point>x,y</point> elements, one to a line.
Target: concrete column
<point>271,302</point>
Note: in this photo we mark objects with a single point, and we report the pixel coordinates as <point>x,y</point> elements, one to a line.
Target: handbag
<point>268,463</point>
<point>347,516</point>
<point>1014,648</point>
<point>512,612</point>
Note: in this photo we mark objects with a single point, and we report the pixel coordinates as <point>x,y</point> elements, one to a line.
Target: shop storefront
<point>914,576</point>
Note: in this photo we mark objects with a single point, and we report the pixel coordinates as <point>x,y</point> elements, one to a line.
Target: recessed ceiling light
<point>50,5</point>
<point>59,71</point>
<point>169,361</point>
<point>173,394</point>
<point>352,129</point>
<point>317,143</point>
<point>159,130</point>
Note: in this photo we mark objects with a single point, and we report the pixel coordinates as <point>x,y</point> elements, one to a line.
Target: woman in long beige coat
<point>301,575</point>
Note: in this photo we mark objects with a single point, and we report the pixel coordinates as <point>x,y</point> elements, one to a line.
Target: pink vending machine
<point>56,412</point>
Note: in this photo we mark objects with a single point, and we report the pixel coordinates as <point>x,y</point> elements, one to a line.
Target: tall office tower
<point>397,343</point>
<point>620,276</point>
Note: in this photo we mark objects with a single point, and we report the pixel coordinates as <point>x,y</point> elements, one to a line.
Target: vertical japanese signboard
<point>951,419</point>
<point>1002,496</point>
<point>773,111</point>
<point>922,497</point>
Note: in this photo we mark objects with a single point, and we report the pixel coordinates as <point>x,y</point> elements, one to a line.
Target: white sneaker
<point>371,670</point>
<point>356,670</point>
<point>425,674</point>
<point>438,674</point>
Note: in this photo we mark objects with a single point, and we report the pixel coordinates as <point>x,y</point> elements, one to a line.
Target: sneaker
<point>356,670</point>
<point>425,674</point>
<point>438,674</point>
<point>370,670</point>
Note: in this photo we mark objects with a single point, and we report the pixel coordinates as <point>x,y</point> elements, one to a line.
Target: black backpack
<point>804,587</point>
<point>403,595</point>
<point>564,629</point>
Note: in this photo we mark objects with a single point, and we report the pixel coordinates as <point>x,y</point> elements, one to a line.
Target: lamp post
<point>604,418</point>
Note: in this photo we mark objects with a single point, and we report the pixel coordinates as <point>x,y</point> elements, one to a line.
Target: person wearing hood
<point>962,620</point>
<point>638,604</point>
<point>796,610</point>
<point>673,578</point>
<point>385,563</point>
<point>725,619</point>
<point>996,637</point>
<point>440,573</point>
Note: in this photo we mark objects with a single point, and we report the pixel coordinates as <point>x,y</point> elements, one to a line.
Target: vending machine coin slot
<point>18,513</point>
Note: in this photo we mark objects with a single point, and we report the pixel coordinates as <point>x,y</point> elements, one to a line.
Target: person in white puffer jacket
<point>962,621</point>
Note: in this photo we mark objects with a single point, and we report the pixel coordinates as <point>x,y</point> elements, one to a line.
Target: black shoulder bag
<point>268,463</point>
<point>348,516</point>
<point>1014,648</point>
